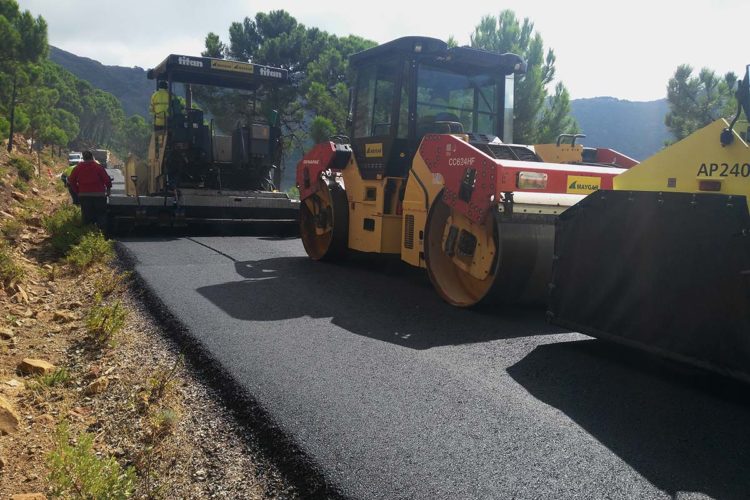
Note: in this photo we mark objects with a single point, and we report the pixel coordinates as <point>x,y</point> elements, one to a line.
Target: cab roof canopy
<point>464,59</point>
<point>217,72</point>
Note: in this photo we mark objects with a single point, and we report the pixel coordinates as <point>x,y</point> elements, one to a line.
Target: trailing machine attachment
<point>665,272</point>
<point>662,261</point>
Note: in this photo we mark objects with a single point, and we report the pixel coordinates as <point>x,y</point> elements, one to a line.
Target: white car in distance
<point>74,158</point>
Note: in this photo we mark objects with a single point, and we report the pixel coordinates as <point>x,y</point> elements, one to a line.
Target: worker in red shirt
<point>90,181</point>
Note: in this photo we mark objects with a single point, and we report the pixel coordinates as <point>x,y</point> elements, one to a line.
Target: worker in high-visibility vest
<point>64,178</point>
<point>160,106</point>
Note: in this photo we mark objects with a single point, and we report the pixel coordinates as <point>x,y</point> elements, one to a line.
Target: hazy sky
<point>625,49</point>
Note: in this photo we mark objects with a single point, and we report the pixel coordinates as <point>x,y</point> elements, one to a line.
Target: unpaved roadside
<point>147,408</point>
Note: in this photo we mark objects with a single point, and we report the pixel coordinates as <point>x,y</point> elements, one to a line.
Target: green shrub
<point>33,204</point>
<point>4,127</point>
<point>65,228</point>
<point>20,185</point>
<point>163,381</point>
<point>23,166</point>
<point>321,129</point>
<point>58,377</point>
<point>110,281</point>
<point>9,270</point>
<point>104,321</point>
<point>12,230</point>
<point>76,471</point>
<point>163,423</point>
<point>92,248</point>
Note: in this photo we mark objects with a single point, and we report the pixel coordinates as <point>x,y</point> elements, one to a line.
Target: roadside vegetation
<point>92,248</point>
<point>23,166</point>
<point>77,471</point>
<point>10,271</point>
<point>104,321</point>
<point>77,258</point>
<point>65,228</point>
<point>57,378</point>
<point>93,403</point>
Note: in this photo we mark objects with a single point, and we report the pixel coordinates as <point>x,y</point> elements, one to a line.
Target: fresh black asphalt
<point>393,394</point>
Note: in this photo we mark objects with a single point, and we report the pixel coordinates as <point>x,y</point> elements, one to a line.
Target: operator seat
<point>441,123</point>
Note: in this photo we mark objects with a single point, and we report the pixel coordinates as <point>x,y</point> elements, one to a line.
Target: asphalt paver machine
<point>196,173</point>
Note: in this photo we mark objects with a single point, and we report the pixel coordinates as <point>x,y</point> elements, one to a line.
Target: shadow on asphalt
<point>683,429</point>
<point>380,298</point>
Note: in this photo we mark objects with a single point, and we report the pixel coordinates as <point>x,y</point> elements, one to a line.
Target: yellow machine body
<point>559,153</point>
<point>394,231</point>
<point>156,151</point>
<point>416,209</point>
<point>136,176</point>
<point>697,164</point>
<point>373,226</point>
<point>142,177</point>
<point>504,255</point>
<point>193,172</point>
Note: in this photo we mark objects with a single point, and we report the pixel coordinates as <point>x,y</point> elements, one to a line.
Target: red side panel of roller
<point>561,178</point>
<point>468,174</point>
<point>474,181</point>
<point>322,157</point>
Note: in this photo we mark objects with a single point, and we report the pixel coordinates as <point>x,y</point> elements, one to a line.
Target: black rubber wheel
<point>324,223</point>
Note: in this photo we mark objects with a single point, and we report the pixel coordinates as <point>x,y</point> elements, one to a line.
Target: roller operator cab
<point>429,172</point>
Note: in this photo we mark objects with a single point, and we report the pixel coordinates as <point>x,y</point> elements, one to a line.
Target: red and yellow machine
<point>426,176</point>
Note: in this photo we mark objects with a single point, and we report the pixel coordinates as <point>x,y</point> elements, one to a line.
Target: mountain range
<point>130,85</point>
<point>634,128</point>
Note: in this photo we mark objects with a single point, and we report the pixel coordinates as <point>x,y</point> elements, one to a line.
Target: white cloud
<point>624,49</point>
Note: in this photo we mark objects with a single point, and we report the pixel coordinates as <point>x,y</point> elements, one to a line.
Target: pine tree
<point>23,41</point>
<point>696,101</point>
<point>538,118</point>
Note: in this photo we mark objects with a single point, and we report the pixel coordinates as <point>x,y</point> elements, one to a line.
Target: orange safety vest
<point>159,106</point>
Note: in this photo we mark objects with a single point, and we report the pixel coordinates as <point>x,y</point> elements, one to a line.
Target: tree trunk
<point>12,113</point>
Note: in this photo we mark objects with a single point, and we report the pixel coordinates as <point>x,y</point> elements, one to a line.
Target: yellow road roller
<point>429,172</point>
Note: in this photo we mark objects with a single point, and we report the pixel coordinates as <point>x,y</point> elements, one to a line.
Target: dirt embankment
<point>94,401</point>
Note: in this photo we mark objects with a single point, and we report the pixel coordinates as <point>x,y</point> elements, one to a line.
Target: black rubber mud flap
<point>666,272</point>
